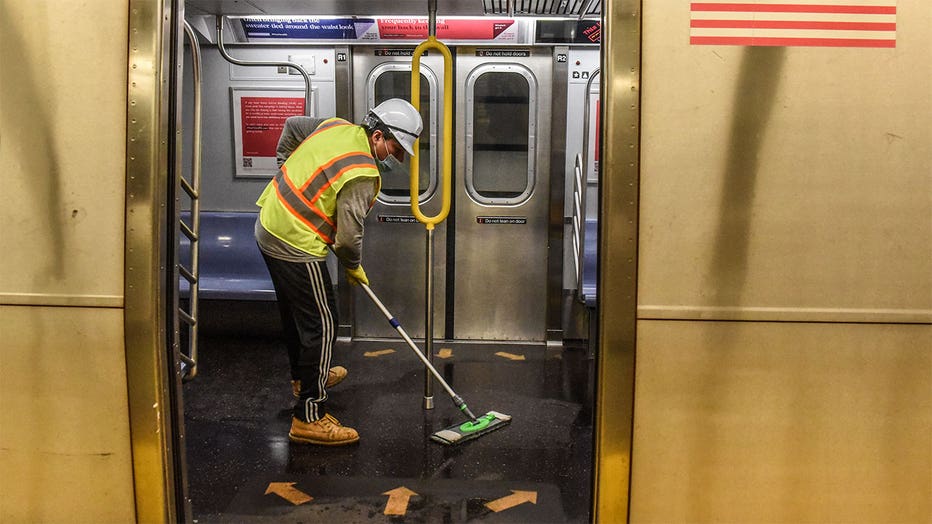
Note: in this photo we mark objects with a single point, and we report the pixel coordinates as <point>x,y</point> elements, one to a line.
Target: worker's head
<point>392,127</point>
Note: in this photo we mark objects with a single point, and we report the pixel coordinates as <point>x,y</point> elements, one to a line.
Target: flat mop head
<point>459,433</point>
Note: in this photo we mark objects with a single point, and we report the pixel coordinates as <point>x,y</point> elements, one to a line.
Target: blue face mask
<point>390,164</point>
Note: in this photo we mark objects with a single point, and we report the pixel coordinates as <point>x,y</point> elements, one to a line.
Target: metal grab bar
<point>579,220</point>
<point>235,61</point>
<point>193,190</point>
<point>597,72</point>
<point>580,188</point>
<point>447,166</point>
<point>447,170</point>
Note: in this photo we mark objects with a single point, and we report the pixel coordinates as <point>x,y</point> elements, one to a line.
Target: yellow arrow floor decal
<point>515,499</point>
<point>445,353</point>
<point>378,353</point>
<point>398,499</point>
<point>287,491</point>
<point>509,356</point>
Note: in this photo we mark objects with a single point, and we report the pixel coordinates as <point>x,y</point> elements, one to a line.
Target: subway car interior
<point>498,288</point>
<point>674,256</point>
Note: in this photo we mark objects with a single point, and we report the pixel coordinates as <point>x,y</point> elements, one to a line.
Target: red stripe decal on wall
<point>828,23</point>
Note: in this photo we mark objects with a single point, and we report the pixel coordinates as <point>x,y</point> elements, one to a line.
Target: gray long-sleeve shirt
<point>353,201</point>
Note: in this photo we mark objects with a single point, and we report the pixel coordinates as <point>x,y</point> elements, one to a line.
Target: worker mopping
<point>475,426</point>
<point>457,433</point>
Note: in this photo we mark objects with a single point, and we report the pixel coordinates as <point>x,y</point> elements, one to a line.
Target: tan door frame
<point>148,367</point>
<point>618,258</point>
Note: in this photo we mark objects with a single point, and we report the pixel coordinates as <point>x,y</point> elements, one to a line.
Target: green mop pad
<point>459,433</point>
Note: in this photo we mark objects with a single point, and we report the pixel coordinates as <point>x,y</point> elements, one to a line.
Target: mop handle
<point>397,325</point>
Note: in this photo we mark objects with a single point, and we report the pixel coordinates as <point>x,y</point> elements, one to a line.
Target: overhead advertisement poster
<point>568,32</point>
<point>380,29</point>
<point>306,28</point>
<point>483,29</point>
<point>258,119</point>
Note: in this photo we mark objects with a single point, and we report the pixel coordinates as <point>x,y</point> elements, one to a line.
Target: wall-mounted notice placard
<point>258,119</point>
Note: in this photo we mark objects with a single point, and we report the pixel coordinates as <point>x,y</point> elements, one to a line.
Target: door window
<point>501,116</point>
<point>393,80</point>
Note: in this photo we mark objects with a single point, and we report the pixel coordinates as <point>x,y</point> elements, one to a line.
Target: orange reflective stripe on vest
<point>332,172</point>
<point>302,209</point>
<point>327,124</point>
<point>301,203</point>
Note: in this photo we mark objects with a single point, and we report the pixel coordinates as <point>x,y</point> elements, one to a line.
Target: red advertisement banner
<point>416,29</point>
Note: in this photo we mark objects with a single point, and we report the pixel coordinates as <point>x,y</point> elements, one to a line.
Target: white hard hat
<point>401,119</point>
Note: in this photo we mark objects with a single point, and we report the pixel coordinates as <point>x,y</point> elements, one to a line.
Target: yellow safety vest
<point>299,204</point>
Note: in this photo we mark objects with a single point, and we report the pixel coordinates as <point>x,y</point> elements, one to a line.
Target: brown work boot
<point>325,432</point>
<point>336,375</point>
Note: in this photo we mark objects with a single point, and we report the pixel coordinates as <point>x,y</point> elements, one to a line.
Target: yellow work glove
<point>356,276</point>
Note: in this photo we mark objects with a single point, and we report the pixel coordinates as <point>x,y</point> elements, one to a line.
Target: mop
<point>475,426</point>
<point>458,433</point>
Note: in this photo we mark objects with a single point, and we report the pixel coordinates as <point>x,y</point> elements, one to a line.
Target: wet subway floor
<point>242,467</point>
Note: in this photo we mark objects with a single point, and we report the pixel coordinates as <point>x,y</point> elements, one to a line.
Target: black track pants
<point>309,318</point>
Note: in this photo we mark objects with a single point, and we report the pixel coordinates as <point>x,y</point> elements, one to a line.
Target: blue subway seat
<point>590,263</point>
<point>231,265</point>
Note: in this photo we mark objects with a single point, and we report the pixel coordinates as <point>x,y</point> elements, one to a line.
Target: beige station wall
<point>64,426</point>
<point>784,345</point>
<point>786,178</point>
<point>783,422</point>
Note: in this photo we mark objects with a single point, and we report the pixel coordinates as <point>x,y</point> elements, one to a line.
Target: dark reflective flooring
<point>241,465</point>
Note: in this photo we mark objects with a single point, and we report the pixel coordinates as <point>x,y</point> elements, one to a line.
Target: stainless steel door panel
<point>502,195</point>
<point>394,248</point>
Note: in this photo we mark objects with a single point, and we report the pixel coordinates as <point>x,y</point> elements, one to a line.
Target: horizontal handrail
<point>297,67</point>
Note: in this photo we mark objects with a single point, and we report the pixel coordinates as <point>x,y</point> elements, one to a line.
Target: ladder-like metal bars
<point>579,220</point>
<point>580,188</point>
<point>192,231</point>
<point>193,189</point>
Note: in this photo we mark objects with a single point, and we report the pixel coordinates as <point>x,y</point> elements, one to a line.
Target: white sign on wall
<point>259,116</point>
